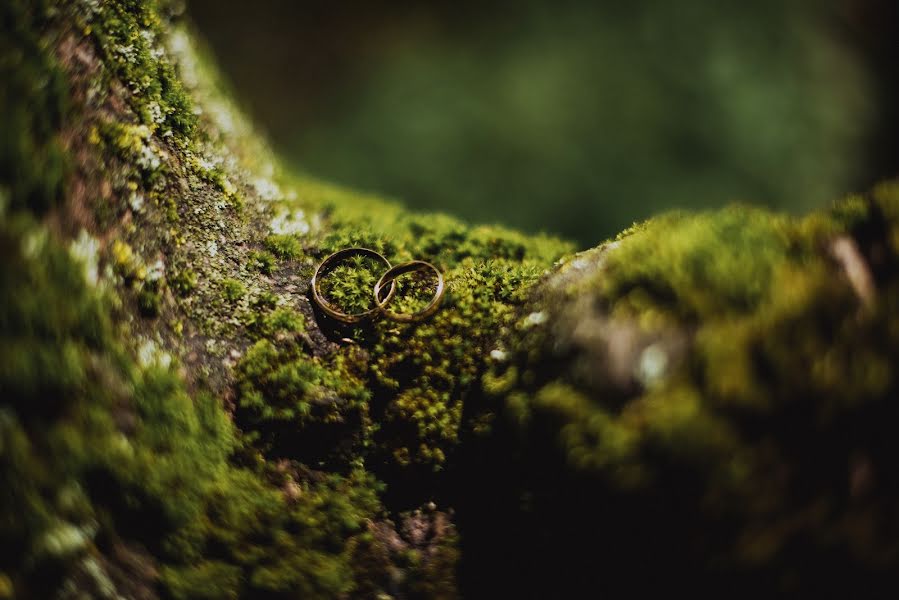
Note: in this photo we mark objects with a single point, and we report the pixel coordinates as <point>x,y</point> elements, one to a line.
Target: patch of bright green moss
<point>350,284</point>
<point>233,290</point>
<point>686,263</point>
<point>283,320</point>
<point>284,246</point>
<point>129,35</point>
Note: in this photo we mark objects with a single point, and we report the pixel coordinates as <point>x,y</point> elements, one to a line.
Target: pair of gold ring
<point>388,279</point>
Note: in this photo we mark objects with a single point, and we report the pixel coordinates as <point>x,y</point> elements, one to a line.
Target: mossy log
<point>707,402</point>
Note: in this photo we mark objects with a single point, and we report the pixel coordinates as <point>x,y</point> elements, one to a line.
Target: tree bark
<point>706,402</point>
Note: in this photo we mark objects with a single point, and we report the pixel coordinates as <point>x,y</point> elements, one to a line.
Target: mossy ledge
<point>707,400</point>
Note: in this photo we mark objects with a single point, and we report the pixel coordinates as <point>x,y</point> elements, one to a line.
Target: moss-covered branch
<point>707,399</point>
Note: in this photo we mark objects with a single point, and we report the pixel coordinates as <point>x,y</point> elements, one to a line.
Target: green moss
<point>59,384</point>
<point>33,102</point>
<point>136,147</point>
<point>129,35</point>
<point>184,282</point>
<point>284,246</point>
<point>233,290</point>
<point>262,261</point>
<point>299,405</point>
<point>349,285</point>
<point>282,548</point>
<point>118,448</point>
<point>685,263</point>
<point>207,580</point>
<point>784,354</point>
<point>427,370</point>
<point>281,321</point>
<point>97,445</point>
<point>422,373</point>
<point>164,480</point>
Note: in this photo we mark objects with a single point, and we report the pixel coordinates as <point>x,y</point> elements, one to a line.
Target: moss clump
<point>691,273</point>
<point>232,290</point>
<point>284,246</point>
<point>740,430</point>
<point>282,321</point>
<point>262,261</point>
<point>349,285</point>
<point>184,282</point>
<point>422,373</point>
<point>269,547</point>
<point>135,145</point>
<point>300,406</point>
<point>426,370</point>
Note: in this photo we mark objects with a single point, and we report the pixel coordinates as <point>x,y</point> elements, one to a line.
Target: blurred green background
<point>574,118</point>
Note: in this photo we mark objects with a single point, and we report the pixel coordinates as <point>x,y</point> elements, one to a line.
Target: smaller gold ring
<point>390,276</point>
<point>325,267</point>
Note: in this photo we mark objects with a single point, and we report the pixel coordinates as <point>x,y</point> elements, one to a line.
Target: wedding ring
<point>327,265</point>
<point>390,277</point>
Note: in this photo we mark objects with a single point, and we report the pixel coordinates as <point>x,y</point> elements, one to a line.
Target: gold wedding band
<point>325,267</point>
<point>390,277</point>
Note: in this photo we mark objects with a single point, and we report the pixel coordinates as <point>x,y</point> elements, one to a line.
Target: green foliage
<point>577,118</point>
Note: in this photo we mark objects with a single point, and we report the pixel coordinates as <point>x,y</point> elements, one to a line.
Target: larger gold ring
<point>325,267</point>
<point>390,276</point>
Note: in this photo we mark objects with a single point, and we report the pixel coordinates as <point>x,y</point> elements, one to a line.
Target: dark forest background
<point>574,118</point>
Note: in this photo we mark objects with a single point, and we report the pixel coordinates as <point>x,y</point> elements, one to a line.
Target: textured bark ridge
<point>708,400</point>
